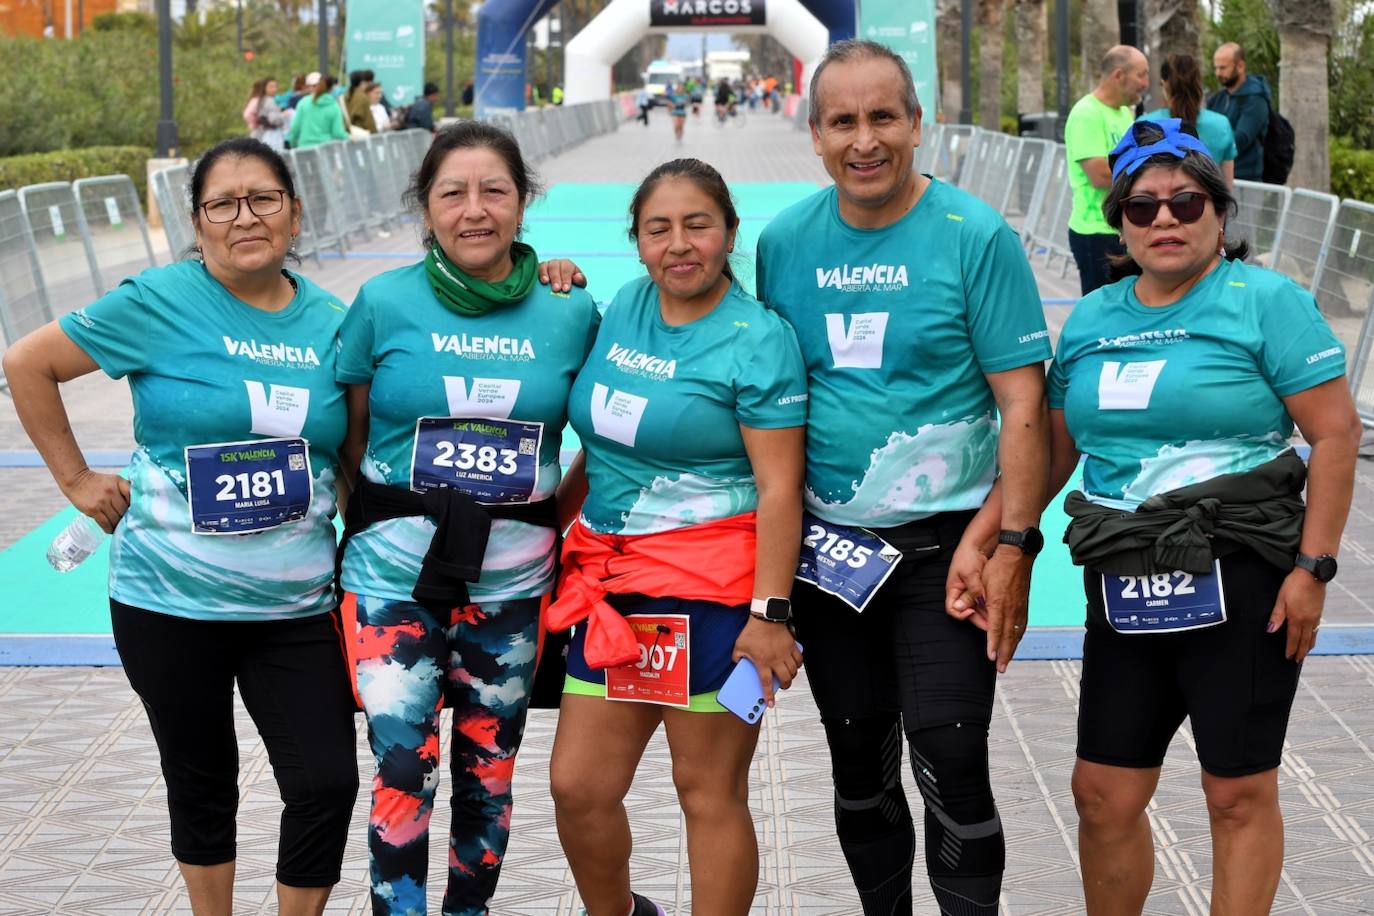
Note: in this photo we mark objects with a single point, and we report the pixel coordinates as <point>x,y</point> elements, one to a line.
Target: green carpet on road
<point>571,219</point>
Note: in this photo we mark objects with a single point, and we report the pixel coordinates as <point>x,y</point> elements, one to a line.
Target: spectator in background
<point>421,113</point>
<point>318,117</point>
<point>284,96</point>
<point>250,110</point>
<point>468,92</point>
<point>356,102</point>
<point>1180,80</point>
<point>1245,101</point>
<point>1095,125</point>
<point>643,102</point>
<point>380,118</point>
<point>304,86</point>
<point>271,119</point>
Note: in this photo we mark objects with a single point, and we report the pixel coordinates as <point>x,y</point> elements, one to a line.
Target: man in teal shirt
<point>1095,125</point>
<point>923,335</point>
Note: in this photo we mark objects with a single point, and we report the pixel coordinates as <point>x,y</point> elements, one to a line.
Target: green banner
<point>907,27</point>
<point>388,38</point>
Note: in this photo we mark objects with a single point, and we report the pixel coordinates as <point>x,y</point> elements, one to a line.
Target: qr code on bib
<point>295,462</point>
<point>680,640</point>
<point>527,446</point>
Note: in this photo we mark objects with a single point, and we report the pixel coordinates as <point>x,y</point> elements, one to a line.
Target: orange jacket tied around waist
<point>713,561</point>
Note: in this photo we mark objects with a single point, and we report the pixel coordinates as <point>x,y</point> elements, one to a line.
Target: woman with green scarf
<point>458,371</point>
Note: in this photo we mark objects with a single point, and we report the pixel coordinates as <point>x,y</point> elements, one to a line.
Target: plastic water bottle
<point>76,542</point>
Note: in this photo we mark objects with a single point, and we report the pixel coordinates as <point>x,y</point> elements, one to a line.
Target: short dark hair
<point>470,135</point>
<point>431,89</point>
<point>852,49</point>
<point>238,148</point>
<point>1196,166</point>
<point>701,174</point>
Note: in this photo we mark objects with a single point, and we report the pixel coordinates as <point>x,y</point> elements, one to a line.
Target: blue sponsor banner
<point>388,38</point>
<point>501,29</point>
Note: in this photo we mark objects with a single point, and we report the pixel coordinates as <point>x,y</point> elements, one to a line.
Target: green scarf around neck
<point>469,296</point>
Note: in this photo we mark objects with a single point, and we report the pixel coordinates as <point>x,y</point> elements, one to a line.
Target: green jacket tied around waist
<point>1184,529</point>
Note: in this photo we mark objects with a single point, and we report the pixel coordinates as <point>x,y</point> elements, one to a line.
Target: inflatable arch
<point>804,27</point>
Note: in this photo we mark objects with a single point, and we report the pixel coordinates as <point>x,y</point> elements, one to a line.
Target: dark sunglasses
<point>1186,207</point>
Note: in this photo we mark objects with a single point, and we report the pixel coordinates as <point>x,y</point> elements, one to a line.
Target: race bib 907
<point>243,487</point>
<point>493,461</point>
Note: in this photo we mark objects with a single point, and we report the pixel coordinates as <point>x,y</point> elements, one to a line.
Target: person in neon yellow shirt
<point>1095,125</point>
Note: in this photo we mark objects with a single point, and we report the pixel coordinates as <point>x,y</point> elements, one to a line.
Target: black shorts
<point>1230,680</point>
<point>903,654</point>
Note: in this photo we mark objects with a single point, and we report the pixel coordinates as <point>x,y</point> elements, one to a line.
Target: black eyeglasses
<point>260,203</point>
<point>1186,207</point>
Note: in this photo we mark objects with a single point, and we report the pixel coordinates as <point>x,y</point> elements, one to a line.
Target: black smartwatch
<point>1322,568</point>
<point>773,610</point>
<point>1031,541</point>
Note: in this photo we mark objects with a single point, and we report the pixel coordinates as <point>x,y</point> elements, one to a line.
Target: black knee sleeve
<point>965,848</point>
<point>872,819</point>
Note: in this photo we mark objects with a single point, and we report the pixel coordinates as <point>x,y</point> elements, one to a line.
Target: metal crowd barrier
<point>172,190</point>
<point>1345,280</point>
<point>112,221</point>
<point>24,305</point>
<point>65,255</point>
<point>1303,235</point>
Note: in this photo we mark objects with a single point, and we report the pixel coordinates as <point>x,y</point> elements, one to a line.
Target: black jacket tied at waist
<point>1184,529</point>
<point>460,537</point>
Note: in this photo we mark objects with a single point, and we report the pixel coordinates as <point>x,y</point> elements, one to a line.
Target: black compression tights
<point>965,853</point>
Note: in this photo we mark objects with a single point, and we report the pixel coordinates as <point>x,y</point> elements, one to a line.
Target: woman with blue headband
<point>1205,573</point>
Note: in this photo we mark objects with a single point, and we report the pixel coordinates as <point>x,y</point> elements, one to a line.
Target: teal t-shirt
<point>677,104</point>
<point>659,409</point>
<point>1213,129</point>
<point>1091,131</point>
<point>423,360</point>
<point>206,368</point>
<point>898,327</point>
<point>1160,398</point>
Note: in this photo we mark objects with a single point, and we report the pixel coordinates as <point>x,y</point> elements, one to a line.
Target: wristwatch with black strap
<point>773,610</point>
<point>1322,568</point>
<point>1030,540</point>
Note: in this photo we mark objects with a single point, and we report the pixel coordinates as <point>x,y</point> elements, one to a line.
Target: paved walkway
<point>82,806</point>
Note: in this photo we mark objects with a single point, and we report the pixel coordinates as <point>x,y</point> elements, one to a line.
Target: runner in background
<point>920,323</point>
<point>458,371</point>
<point>677,109</point>
<point>691,409</point>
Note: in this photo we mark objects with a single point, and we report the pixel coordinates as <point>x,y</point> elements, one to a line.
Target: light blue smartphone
<point>740,693</point>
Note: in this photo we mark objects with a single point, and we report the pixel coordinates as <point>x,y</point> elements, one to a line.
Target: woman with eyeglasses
<point>222,563</point>
<point>1205,571</point>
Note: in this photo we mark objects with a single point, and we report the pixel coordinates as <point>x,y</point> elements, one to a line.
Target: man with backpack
<point>1264,140</point>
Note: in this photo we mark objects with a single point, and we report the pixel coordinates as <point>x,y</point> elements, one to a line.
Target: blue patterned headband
<point>1130,155</point>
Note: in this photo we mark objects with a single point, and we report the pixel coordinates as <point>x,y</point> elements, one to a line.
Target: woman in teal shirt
<point>318,118</point>
<point>1181,83</point>
<point>222,562</point>
<point>1180,385</point>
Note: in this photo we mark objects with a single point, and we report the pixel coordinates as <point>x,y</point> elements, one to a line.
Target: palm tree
<point>1173,28</point>
<point>1030,55</point>
<point>1305,29</point>
<point>990,19</point>
<point>948,56</point>
<point>1100,30</point>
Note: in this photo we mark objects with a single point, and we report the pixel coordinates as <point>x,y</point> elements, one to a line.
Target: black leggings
<point>292,678</point>
<point>905,668</point>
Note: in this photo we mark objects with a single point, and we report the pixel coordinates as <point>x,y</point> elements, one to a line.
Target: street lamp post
<point>167,142</point>
<point>1061,59</point>
<point>322,27</point>
<point>965,68</point>
<point>238,23</point>
<point>448,58</point>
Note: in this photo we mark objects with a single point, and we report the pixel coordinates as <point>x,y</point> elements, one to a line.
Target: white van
<point>660,75</point>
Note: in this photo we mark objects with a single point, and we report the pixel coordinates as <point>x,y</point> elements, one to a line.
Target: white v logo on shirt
<point>488,397</point>
<point>616,414</point>
<point>1129,386</point>
<point>861,345</point>
<point>278,411</point>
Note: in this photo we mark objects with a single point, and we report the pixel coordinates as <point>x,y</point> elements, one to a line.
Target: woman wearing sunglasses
<point>222,563</point>
<point>1205,572</point>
